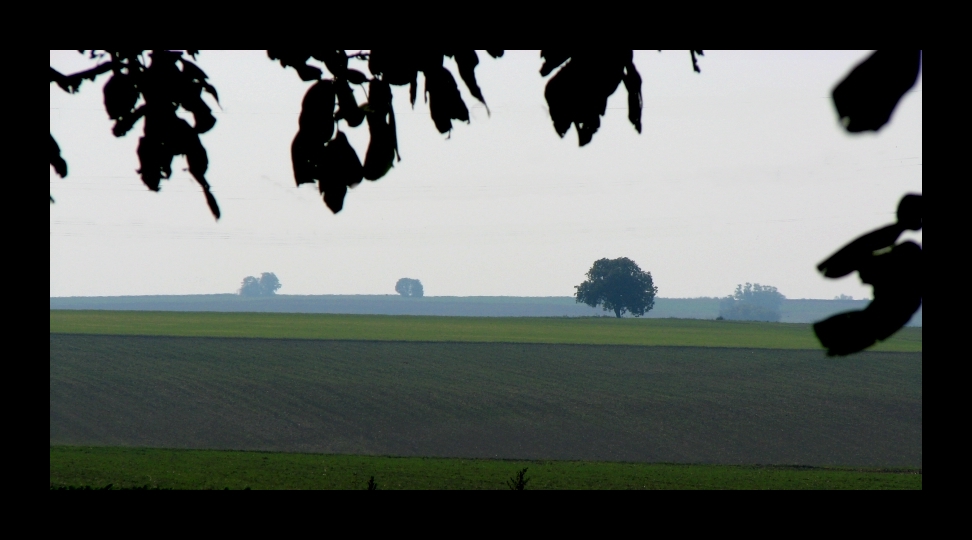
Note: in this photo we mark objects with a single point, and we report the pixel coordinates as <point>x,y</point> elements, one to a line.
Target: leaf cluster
<point>154,86</point>
<point>320,151</point>
<point>577,94</point>
<point>869,94</point>
<point>894,272</point>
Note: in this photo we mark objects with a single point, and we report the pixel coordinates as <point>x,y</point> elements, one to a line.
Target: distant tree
<point>752,302</point>
<point>843,297</point>
<point>266,285</point>
<point>409,287</point>
<point>251,287</point>
<point>618,285</point>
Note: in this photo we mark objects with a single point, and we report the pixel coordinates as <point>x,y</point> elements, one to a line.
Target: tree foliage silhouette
<point>155,85</point>
<point>152,85</point>
<point>618,285</point>
<point>894,271</point>
<point>409,287</point>
<point>266,285</point>
<point>154,91</point>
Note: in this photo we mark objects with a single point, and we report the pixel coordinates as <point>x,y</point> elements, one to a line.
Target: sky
<point>741,174</point>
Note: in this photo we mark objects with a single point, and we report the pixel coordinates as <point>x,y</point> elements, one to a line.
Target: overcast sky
<point>741,174</point>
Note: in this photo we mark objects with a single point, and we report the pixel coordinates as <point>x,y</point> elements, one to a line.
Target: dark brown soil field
<point>490,400</point>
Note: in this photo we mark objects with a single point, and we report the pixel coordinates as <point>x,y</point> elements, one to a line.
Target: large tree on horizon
<point>618,285</point>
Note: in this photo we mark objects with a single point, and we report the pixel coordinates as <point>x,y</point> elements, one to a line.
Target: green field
<point>592,331</point>
<point>208,469</point>
<point>273,400</point>
<point>488,400</point>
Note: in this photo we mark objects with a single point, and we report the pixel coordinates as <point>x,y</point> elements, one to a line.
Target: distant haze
<point>741,174</point>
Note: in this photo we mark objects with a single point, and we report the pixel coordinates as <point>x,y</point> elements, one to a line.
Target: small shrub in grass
<point>518,482</point>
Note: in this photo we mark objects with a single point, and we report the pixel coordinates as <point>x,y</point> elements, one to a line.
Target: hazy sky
<point>741,173</point>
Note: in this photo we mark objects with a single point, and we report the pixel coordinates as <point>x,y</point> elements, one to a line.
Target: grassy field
<point>208,469</point>
<point>593,331</point>
<point>488,400</point>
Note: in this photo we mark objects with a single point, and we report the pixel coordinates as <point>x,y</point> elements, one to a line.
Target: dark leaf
<point>202,114</point>
<point>896,277</point>
<point>211,201</point>
<point>71,83</point>
<point>56,76</point>
<point>198,162</point>
<point>381,149</point>
<point>120,96</point>
<point>296,60</point>
<point>356,77</point>
<point>303,152</point>
<point>394,130</point>
<point>632,82</point>
<point>347,166</point>
<point>198,77</point>
<point>846,333</point>
<point>445,102</point>
<point>587,129</point>
<point>54,155</point>
<point>124,124</point>
<point>578,93</point>
<point>467,60</point>
<point>695,61</point>
<point>334,197</point>
<point>196,158</point>
<point>495,53</point>
<point>909,211</point>
<point>335,60</point>
<point>338,169</point>
<point>852,256</point>
<point>552,60</point>
<point>855,256</point>
<point>561,100</point>
<point>868,95</point>
<point>394,66</point>
<point>317,112</point>
<point>152,159</point>
<point>350,112</point>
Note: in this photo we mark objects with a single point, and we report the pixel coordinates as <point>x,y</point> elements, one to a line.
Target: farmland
<point>589,331</point>
<point>209,469</point>
<point>524,401</point>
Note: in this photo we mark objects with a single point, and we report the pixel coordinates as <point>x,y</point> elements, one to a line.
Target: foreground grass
<point>211,469</point>
<point>592,331</point>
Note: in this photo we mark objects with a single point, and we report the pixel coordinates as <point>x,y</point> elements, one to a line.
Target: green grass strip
<point>214,469</point>
<point>592,331</point>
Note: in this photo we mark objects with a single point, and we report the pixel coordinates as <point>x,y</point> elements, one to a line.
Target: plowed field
<point>488,400</point>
